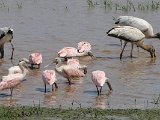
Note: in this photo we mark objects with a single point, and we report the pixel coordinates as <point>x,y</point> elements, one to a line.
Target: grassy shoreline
<point>42,113</point>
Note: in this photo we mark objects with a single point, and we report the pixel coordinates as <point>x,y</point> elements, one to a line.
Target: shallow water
<point>47,26</point>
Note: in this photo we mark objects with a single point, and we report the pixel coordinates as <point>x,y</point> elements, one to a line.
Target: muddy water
<point>47,26</point>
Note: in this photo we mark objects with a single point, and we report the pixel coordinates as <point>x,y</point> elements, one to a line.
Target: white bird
<point>132,35</point>
<point>17,69</point>
<point>6,35</point>
<point>141,24</point>
<point>68,71</point>
<point>12,80</point>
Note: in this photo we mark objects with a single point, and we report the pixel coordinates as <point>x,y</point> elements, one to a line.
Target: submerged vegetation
<point>125,6</point>
<point>24,112</point>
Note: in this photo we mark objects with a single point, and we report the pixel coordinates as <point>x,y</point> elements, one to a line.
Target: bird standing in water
<point>6,35</point>
<point>132,35</point>
<point>68,71</point>
<point>12,80</point>
<point>99,78</point>
<point>49,77</point>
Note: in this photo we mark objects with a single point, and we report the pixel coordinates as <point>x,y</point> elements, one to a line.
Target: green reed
<point>125,5</point>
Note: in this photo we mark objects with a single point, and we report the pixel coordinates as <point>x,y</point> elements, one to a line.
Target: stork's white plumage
<point>6,35</point>
<point>141,24</point>
<point>132,35</point>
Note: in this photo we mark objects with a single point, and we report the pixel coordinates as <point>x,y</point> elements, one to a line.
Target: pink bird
<point>99,78</point>
<point>75,63</point>
<point>67,71</point>
<point>84,46</point>
<point>35,59</point>
<point>70,52</point>
<point>49,77</point>
<point>12,80</point>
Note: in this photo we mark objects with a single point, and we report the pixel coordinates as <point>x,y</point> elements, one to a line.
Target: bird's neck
<point>81,54</point>
<point>24,70</point>
<point>6,38</point>
<point>58,69</point>
<point>145,47</point>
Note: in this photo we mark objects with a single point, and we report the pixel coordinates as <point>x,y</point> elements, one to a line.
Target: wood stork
<point>6,35</point>
<point>132,35</point>
<point>141,24</point>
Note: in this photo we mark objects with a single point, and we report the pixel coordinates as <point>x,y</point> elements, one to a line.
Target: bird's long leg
<point>121,43</point>
<point>2,51</point>
<point>109,85</point>
<point>97,90</point>
<point>69,81</point>
<point>12,51</point>
<point>11,89</point>
<point>45,87</point>
<point>56,86</point>
<point>131,50</point>
<point>100,90</point>
<point>39,66</point>
<point>32,66</point>
<point>123,49</point>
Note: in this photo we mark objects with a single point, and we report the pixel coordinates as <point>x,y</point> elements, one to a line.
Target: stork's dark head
<point>157,35</point>
<point>152,51</point>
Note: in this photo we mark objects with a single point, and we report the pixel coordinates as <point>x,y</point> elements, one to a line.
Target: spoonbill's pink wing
<point>98,78</point>
<point>35,58</point>
<point>74,73</point>
<point>49,76</point>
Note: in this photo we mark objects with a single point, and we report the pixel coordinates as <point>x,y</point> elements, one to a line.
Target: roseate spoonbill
<point>17,69</point>
<point>141,24</point>
<point>84,46</point>
<point>6,35</point>
<point>132,35</point>
<point>67,71</point>
<point>99,78</point>
<point>12,80</point>
<point>75,63</point>
<point>69,52</point>
<point>34,59</point>
<point>49,77</point>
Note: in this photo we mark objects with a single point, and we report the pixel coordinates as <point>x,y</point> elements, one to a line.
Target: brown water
<point>47,26</point>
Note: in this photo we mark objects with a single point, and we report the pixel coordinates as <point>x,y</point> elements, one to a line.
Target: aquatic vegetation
<point>37,112</point>
<point>125,6</point>
<point>6,4</point>
<point>19,4</point>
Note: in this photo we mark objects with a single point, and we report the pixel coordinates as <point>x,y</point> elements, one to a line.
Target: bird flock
<point>128,29</point>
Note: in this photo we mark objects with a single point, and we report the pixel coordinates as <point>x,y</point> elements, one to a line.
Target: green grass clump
<point>25,112</point>
<point>126,5</point>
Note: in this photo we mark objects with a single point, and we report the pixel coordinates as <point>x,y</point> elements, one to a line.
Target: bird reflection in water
<point>49,99</point>
<point>102,101</point>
